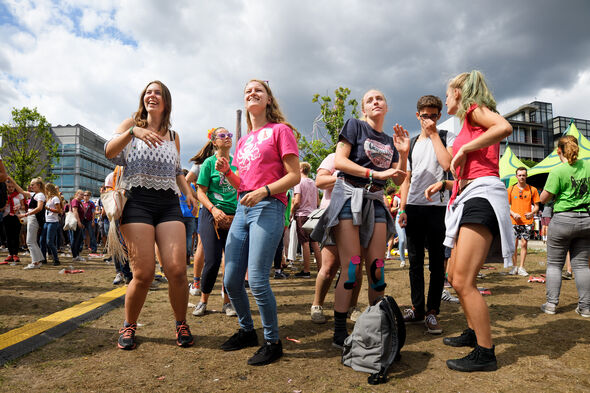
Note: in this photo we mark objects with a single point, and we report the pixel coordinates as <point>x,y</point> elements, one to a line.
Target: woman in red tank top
<point>475,166</point>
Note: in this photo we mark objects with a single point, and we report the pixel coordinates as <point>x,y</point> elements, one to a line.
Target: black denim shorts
<point>149,206</point>
<point>480,211</point>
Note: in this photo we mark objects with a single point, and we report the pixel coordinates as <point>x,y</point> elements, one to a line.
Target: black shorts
<point>479,211</point>
<point>149,206</point>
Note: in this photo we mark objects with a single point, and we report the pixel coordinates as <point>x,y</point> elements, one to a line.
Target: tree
<point>332,117</point>
<point>28,147</point>
<point>529,163</point>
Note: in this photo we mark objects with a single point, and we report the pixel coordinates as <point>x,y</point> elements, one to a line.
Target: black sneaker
<point>127,337</point>
<point>281,275</point>
<point>242,339</point>
<point>266,354</point>
<point>466,339</point>
<point>56,263</point>
<point>302,274</point>
<point>480,359</point>
<point>184,338</point>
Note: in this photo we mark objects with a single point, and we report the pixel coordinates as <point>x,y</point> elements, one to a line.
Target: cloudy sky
<point>86,61</point>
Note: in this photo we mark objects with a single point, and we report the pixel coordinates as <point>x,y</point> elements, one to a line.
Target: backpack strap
<point>510,194</point>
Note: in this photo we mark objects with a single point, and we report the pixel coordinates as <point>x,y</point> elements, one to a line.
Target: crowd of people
<point>241,214</point>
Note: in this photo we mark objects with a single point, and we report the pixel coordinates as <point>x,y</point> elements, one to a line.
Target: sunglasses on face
<point>433,116</point>
<point>223,135</point>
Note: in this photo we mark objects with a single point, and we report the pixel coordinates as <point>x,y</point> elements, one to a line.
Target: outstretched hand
<point>401,139</point>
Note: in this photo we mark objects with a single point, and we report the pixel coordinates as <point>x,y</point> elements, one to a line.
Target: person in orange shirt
<point>524,204</point>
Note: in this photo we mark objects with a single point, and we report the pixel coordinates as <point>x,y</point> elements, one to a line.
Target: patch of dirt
<point>535,350</point>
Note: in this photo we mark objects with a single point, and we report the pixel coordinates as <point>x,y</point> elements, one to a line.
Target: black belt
<point>371,187</point>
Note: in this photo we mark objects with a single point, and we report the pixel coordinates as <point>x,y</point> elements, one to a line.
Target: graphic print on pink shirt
<point>259,157</point>
<point>379,154</point>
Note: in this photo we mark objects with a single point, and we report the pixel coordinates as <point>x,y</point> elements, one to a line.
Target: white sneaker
<point>513,271</point>
<point>317,314</point>
<point>200,309</point>
<point>193,289</point>
<point>402,264</point>
<point>548,308</point>
<point>229,310</point>
<point>79,259</point>
<point>522,272</point>
<point>447,297</point>
<point>583,312</point>
<point>119,279</point>
<point>33,266</point>
<point>354,313</point>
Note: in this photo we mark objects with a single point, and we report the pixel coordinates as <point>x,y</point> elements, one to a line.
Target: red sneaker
<point>9,259</point>
<point>15,258</point>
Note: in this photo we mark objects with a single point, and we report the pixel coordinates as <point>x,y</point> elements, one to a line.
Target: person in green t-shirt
<point>569,229</point>
<point>219,200</point>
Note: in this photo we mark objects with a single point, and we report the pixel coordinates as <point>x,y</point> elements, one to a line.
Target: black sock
<point>340,332</point>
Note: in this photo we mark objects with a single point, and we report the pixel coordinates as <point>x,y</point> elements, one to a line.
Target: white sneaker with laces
<point>317,314</point>
<point>548,308</point>
<point>32,265</point>
<point>229,310</point>
<point>522,272</point>
<point>200,309</point>
<point>583,312</point>
<point>402,264</point>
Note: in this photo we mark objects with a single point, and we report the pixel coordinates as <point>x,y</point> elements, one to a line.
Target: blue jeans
<point>251,245</point>
<point>190,225</point>
<point>49,239</point>
<point>88,227</point>
<point>401,236</point>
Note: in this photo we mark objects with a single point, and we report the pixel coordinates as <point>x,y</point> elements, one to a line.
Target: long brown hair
<point>140,117</point>
<point>273,110</point>
<point>569,148</point>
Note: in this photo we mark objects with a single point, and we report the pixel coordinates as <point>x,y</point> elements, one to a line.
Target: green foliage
<point>333,114</point>
<point>529,163</point>
<point>28,147</point>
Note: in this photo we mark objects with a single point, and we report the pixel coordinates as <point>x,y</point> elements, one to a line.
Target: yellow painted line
<point>32,329</point>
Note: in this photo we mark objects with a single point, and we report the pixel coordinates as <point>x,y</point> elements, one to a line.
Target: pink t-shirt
<point>482,162</point>
<point>309,197</point>
<point>259,157</point>
<point>328,165</point>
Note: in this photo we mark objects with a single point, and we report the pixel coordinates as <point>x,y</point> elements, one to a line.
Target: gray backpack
<point>376,340</point>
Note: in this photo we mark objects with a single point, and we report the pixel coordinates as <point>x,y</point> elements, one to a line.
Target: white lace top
<point>149,167</point>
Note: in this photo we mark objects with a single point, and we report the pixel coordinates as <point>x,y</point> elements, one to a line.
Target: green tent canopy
<point>552,160</point>
<point>508,165</point>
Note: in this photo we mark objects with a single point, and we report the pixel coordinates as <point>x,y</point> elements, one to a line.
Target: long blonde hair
<point>51,190</point>
<point>474,90</point>
<point>273,110</point>
<point>40,183</point>
<point>569,148</point>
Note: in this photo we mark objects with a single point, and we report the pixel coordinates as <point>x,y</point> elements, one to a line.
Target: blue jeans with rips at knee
<point>251,244</point>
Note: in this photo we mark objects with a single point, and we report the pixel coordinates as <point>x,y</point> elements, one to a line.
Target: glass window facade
<point>82,164</point>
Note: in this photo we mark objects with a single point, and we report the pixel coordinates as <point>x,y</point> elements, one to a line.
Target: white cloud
<point>83,61</point>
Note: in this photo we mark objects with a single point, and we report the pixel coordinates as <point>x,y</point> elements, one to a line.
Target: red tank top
<point>482,162</point>
<point>479,163</point>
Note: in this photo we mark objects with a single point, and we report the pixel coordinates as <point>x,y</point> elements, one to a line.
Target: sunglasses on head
<point>223,135</point>
<point>433,116</point>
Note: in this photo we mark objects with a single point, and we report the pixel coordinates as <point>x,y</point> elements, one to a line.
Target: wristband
<point>367,173</point>
<point>267,190</point>
<point>371,176</point>
<point>131,130</point>
<point>401,211</point>
<point>226,173</point>
<point>211,209</point>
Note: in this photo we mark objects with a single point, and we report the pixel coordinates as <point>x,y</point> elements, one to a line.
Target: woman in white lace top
<point>149,150</point>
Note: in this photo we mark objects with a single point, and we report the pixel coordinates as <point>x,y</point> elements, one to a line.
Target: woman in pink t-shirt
<point>477,212</point>
<point>267,159</point>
